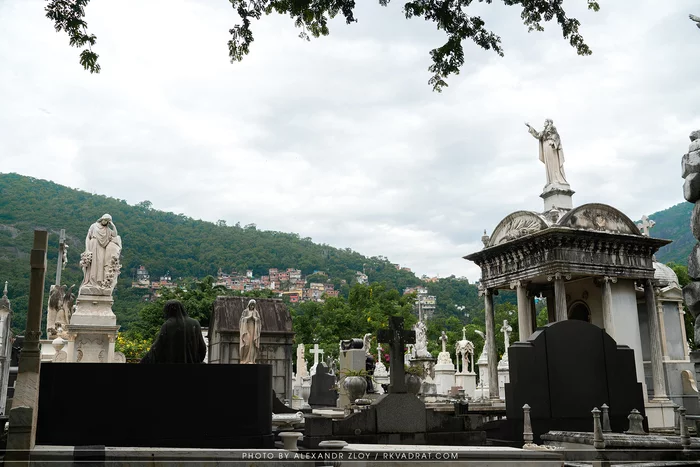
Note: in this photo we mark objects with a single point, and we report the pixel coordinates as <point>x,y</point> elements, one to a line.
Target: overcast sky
<point>341,139</point>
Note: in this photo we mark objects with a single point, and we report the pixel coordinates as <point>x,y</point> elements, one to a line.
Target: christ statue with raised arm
<point>551,153</point>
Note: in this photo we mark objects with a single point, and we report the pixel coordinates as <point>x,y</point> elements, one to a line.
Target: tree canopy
<point>312,17</point>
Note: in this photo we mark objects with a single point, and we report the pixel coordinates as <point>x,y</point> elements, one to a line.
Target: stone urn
<point>355,387</point>
<point>412,384</point>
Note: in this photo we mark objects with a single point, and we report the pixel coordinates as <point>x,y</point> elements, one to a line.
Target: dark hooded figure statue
<point>179,340</point>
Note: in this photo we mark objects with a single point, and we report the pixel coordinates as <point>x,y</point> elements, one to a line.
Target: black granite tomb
<point>323,392</point>
<point>178,405</point>
<point>562,372</point>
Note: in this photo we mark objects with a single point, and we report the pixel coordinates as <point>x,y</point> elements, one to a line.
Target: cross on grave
<point>397,337</point>
<point>317,353</point>
<point>645,225</point>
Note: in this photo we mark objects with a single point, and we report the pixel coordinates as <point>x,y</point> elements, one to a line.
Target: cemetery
<point>609,378</point>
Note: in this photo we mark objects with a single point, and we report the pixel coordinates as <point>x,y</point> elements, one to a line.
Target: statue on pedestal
<point>551,153</point>
<point>250,328</point>
<point>100,260</point>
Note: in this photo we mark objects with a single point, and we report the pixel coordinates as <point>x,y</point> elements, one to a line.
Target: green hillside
<point>674,224</point>
<point>161,241</point>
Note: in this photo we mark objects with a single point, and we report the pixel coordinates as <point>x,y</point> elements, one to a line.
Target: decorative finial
<point>485,239</point>
<point>645,225</point>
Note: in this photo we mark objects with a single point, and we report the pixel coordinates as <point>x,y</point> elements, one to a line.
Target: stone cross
<point>506,330</point>
<point>443,338</point>
<point>397,337</point>
<point>61,263</point>
<point>645,225</point>
<point>317,352</point>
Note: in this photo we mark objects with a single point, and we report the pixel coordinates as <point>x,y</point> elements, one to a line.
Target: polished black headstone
<point>175,405</point>
<point>562,372</point>
<point>323,393</point>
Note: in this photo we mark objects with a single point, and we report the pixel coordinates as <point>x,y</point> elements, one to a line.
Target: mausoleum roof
<point>664,274</point>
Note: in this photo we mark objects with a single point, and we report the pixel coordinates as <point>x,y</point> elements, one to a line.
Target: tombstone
<point>482,388</point>
<point>323,392</point>
<point>381,375</point>
<point>563,371</point>
<point>444,370</point>
<point>276,338</point>
<point>352,358</point>
<point>5,348</point>
<point>397,417</point>
<point>317,353</point>
<point>502,367</point>
<point>465,376</point>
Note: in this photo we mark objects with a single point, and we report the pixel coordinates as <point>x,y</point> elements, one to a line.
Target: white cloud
<point>341,138</point>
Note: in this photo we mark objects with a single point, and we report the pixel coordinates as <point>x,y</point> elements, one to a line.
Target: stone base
<point>428,364</point>
<point>94,310</point>
<point>91,344</point>
<point>444,378</point>
<point>557,197</point>
<point>466,381</point>
<point>660,413</point>
<point>503,378</point>
<point>353,360</point>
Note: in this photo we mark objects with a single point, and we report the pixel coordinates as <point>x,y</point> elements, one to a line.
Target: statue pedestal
<point>92,332</point>
<point>557,196</point>
<point>467,381</point>
<point>503,377</point>
<point>444,373</point>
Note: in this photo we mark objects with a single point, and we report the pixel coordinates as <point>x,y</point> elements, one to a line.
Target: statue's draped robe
<point>250,336</point>
<point>552,154</point>
<point>179,341</point>
<point>103,244</point>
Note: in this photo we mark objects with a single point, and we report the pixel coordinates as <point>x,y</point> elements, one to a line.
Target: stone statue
<point>506,330</point>
<point>421,347</point>
<point>60,310</point>
<point>250,328</point>
<point>55,304</point>
<point>100,261</point>
<point>179,340</point>
<point>696,19</point>
<point>551,153</point>
<point>302,371</point>
<point>366,340</point>
<point>443,339</point>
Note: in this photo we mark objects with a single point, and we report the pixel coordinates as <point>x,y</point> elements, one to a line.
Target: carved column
<point>491,343</point>
<point>551,307</point>
<point>681,315</point>
<point>560,297</point>
<point>657,370</point>
<point>533,313</point>
<point>524,314</point>
<point>608,322</point>
<point>662,326</point>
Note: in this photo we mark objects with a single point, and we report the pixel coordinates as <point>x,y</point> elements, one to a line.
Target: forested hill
<point>674,224</point>
<point>161,241</point>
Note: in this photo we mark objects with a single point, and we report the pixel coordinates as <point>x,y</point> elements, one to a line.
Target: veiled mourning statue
<point>100,260</point>
<point>179,340</point>
<point>250,327</point>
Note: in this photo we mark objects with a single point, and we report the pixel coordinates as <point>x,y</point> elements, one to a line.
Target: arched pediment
<point>516,225</point>
<point>599,217</point>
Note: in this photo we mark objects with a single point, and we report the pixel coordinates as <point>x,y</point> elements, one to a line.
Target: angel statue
<point>696,19</point>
